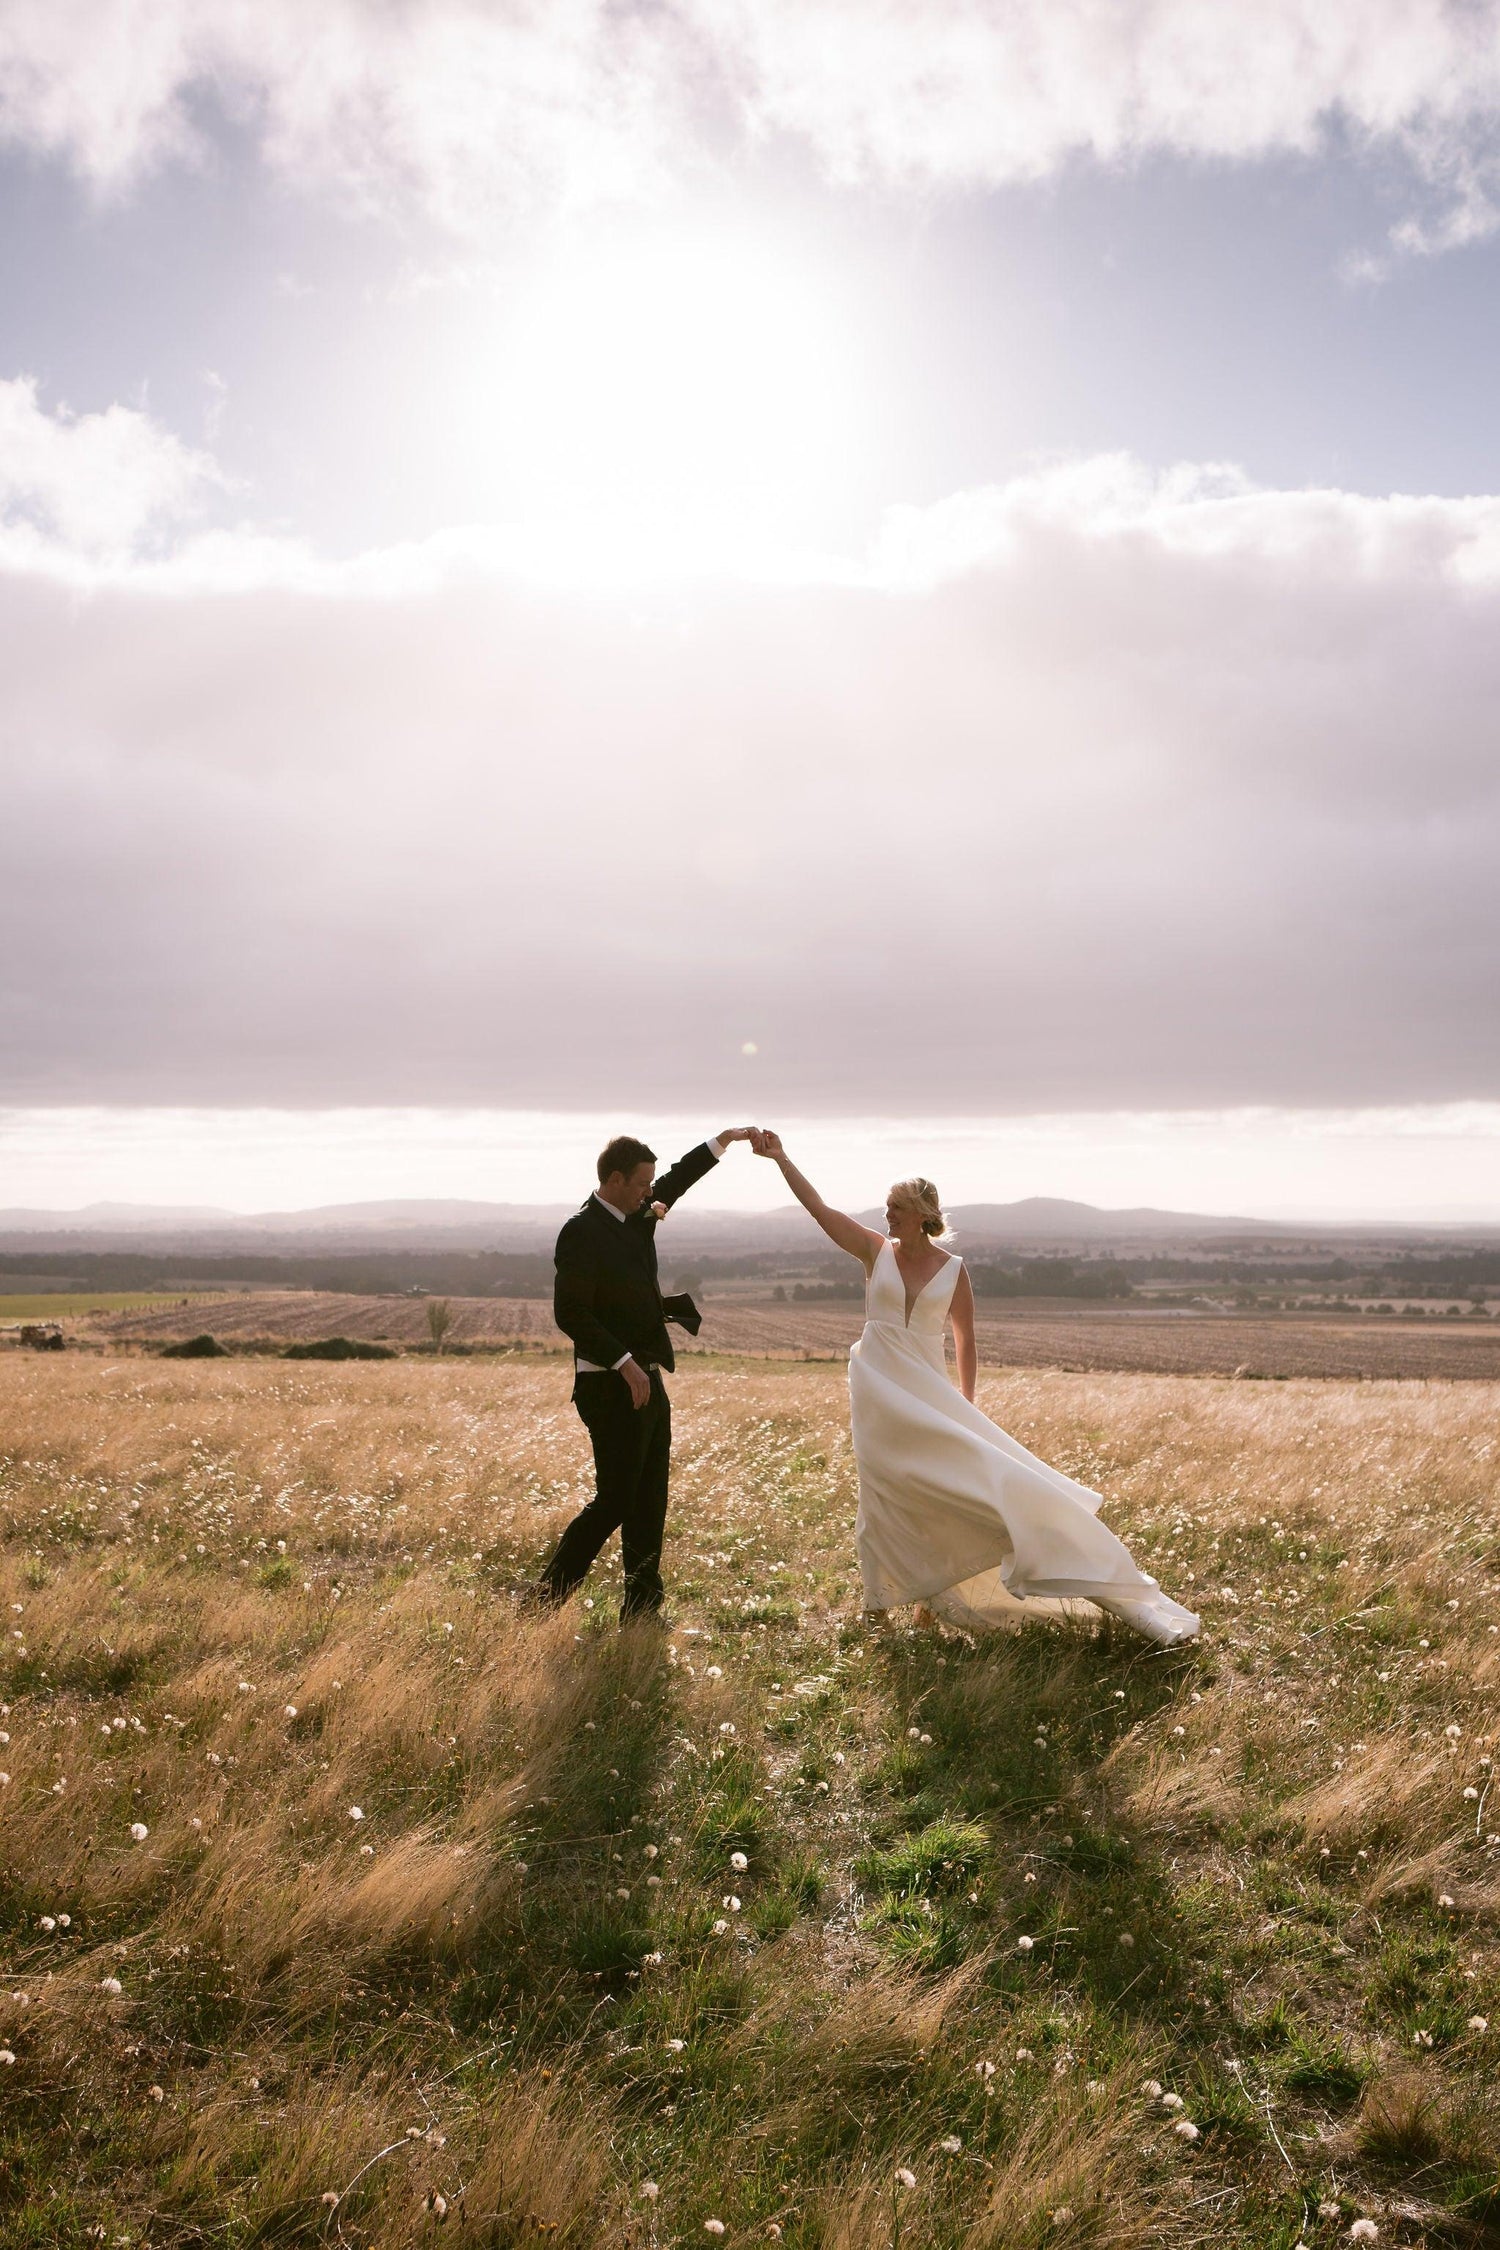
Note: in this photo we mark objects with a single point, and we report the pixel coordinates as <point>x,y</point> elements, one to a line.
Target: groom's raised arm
<point>573,1301</point>
<point>689,1169</point>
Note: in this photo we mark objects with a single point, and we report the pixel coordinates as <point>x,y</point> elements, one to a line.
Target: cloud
<point>470,110</point>
<point>90,487</point>
<point>1100,789</point>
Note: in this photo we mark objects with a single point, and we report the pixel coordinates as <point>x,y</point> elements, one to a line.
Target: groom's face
<point>627,1191</point>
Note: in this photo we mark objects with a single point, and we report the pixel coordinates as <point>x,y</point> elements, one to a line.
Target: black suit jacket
<point>607,1297</point>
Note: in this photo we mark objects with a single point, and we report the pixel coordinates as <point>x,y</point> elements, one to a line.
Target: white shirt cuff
<point>619,1363</point>
<point>715,1149</point>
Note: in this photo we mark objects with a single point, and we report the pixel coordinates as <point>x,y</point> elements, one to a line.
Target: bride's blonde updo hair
<point>922,1197</point>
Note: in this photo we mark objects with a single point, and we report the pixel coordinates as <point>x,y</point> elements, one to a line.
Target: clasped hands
<point>762,1140</point>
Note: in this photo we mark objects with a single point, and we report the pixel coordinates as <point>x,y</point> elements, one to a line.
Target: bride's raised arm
<point>860,1241</point>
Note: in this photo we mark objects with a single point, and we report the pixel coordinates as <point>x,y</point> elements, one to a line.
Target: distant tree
<point>439,1320</point>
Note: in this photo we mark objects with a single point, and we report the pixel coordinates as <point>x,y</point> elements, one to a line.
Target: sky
<point>926,571</point>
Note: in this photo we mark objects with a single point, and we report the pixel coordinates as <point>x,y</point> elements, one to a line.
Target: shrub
<point>339,1347</point>
<point>196,1347</point>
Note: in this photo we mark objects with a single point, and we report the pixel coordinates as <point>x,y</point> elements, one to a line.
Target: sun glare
<point>690,385</point>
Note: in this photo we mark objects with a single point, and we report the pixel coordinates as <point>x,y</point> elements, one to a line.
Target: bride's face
<point>900,1216</point>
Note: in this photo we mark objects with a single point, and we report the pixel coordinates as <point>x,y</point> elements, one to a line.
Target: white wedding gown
<point>954,1513</point>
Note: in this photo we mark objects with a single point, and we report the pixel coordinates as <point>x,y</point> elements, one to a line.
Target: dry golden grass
<point>247,1600</point>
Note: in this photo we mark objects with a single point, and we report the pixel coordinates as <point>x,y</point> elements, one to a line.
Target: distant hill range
<point>1037,1223</point>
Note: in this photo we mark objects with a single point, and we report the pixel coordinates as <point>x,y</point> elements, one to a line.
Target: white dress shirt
<point>715,1149</point>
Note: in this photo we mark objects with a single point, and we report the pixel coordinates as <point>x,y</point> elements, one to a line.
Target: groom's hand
<point>735,1133</point>
<point>637,1382</point>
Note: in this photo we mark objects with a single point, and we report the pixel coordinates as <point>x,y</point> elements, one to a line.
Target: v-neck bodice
<point>924,1318</point>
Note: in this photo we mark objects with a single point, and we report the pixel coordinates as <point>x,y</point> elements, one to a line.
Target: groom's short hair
<point>622,1155</point>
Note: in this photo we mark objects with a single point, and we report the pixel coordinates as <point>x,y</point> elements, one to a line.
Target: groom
<point>608,1300</point>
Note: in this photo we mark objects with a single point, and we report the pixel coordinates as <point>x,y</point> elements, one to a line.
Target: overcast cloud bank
<point>1100,788</point>
<point>468,110</point>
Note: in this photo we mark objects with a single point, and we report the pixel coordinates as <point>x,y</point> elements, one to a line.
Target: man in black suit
<point>608,1300</point>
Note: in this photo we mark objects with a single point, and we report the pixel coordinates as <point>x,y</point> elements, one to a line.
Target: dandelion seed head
<point>1185,2129</point>
<point>1364,2230</point>
<point>950,2144</point>
<point>1024,1944</point>
<point>905,2178</point>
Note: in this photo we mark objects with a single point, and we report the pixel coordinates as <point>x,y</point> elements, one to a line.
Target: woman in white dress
<point>954,1514</point>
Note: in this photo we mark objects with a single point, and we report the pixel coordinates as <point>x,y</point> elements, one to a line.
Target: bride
<point>954,1514</point>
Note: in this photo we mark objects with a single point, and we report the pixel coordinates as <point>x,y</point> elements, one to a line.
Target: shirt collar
<point>613,1209</point>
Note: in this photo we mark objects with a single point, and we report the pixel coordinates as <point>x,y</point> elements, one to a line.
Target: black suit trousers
<point>632,1455</point>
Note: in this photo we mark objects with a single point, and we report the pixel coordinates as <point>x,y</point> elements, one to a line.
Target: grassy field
<point>67,1304</point>
<point>344,1902</point>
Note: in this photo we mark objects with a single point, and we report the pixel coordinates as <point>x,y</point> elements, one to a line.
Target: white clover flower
<point>46,1923</point>
<point>984,2070</point>
<point>1470,1795</point>
<point>622,1892</point>
<point>714,1672</point>
<point>1421,2038</point>
<point>64,1921</point>
<point>653,1882</point>
<point>950,2144</point>
<point>1328,2211</point>
<point>1444,1899</point>
<point>6,2058</point>
<point>651,1851</point>
<point>1179,1730</point>
<point>1024,1944</point>
<point>904,2178</point>
<point>728,1727</point>
<point>4,1780</point>
<point>1151,2088</point>
<point>330,2197</point>
<point>1453,1733</point>
<point>355,1813</point>
<point>1364,2230</point>
<point>719,1927</point>
<point>289,1711</point>
<point>1185,2129</point>
<point>676,2046</point>
<point>738,1862</point>
<point>367,1851</point>
<point>652,1960</point>
<point>713,2226</point>
<point>913,1734</point>
<point>1172,2101</point>
<point>731,1902</point>
<point>924,1738</point>
<point>1024,2054</point>
<point>156,2093</point>
<point>139,1831</point>
<point>1479,2023</point>
<point>111,1985</point>
<point>650,2190</point>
